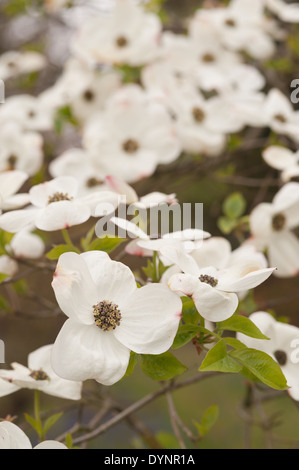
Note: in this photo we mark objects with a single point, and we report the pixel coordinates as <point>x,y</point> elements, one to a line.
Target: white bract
<point>28,111</point>
<point>284,160</point>
<point>10,183</point>
<point>132,136</point>
<point>285,11</point>
<point>278,113</point>
<point>108,317</point>
<point>25,244</point>
<point>8,266</point>
<point>13,437</point>
<point>39,375</point>
<point>127,35</point>
<point>271,227</point>
<point>55,206</point>
<point>214,291</point>
<point>282,346</point>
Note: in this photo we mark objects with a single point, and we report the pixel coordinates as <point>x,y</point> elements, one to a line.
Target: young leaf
<point>234,206</point>
<point>162,367</point>
<point>106,244</point>
<point>208,420</point>
<point>51,421</point>
<point>190,313</point>
<point>36,425</point>
<point>132,363</point>
<point>242,325</point>
<point>217,359</point>
<point>262,366</point>
<point>59,250</point>
<point>187,332</point>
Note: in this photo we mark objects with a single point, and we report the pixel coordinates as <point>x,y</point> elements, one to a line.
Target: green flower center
<point>107,315</point>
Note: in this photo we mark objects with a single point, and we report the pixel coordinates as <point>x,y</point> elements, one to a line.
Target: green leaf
<point>63,116</point>
<point>85,242</point>
<point>234,206</point>
<point>226,225</point>
<point>208,420</point>
<point>36,425</point>
<point>161,367</point>
<point>51,421</point>
<point>234,343</point>
<point>217,359</point>
<point>3,277</point>
<point>190,313</point>
<point>132,363</point>
<point>59,250</point>
<point>262,366</point>
<point>106,244</point>
<point>69,441</point>
<point>242,325</point>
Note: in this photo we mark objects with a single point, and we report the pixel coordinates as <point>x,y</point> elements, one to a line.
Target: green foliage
<point>208,420</point>
<point>217,359</point>
<point>189,312</point>
<point>58,250</point>
<point>107,244</point>
<point>132,363</point>
<point>242,325</point>
<point>63,116</point>
<point>161,367</point>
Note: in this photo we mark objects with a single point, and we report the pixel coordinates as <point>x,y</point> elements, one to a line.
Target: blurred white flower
<point>55,206</point>
<point>285,11</point>
<point>126,35</point>
<point>12,437</point>
<point>39,375</point>
<point>280,346</point>
<point>20,150</point>
<point>271,225</point>
<point>242,26</point>
<point>284,160</point>
<point>132,136</point>
<point>14,63</point>
<point>108,317</point>
<point>214,290</point>
<point>25,244</point>
<point>28,111</point>
<point>279,114</point>
<point>8,266</point>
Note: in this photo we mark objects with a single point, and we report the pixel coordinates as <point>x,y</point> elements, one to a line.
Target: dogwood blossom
<point>14,63</point>
<point>214,290</point>
<point>39,375</point>
<point>127,35</point>
<point>284,11</point>
<point>284,338</point>
<point>108,317</point>
<point>54,206</point>
<point>271,227</point>
<point>132,136</point>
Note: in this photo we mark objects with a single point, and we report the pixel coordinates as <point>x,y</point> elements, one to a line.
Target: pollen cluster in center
<point>208,280</point>
<point>106,315</point>
<point>56,197</point>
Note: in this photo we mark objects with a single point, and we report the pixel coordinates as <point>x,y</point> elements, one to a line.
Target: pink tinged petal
<point>11,182</point>
<point>39,194</point>
<point>74,288</point>
<point>114,281</point>
<point>61,215</point>
<point>133,248</point>
<point>83,352</point>
<point>283,252</point>
<point>150,319</point>
<point>16,221</point>
<point>12,437</point>
<point>50,445</point>
<point>120,187</point>
<point>243,276</point>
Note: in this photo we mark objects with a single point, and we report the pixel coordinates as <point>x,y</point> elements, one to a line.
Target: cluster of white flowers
<point>140,97</point>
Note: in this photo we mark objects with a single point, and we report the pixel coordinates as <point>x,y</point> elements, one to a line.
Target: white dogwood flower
<point>108,317</point>
<point>28,111</point>
<point>8,265</point>
<point>214,291</point>
<point>13,437</point>
<point>39,375</point>
<point>271,227</point>
<point>127,35</point>
<point>278,113</point>
<point>132,136</point>
<point>284,160</point>
<point>285,11</point>
<point>26,244</point>
<point>284,339</point>
<point>55,206</point>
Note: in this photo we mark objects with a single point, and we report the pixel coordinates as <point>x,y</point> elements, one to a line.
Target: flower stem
<point>66,237</point>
